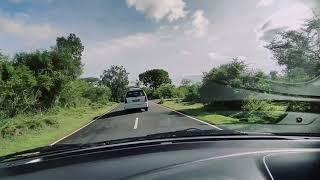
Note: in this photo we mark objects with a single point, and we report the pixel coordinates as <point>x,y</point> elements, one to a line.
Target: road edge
<point>90,122</point>
<point>193,118</point>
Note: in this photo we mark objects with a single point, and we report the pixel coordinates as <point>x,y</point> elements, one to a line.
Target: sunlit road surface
<point>120,124</point>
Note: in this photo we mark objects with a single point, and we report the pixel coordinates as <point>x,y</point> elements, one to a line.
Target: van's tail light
<point>145,98</point>
<point>125,100</point>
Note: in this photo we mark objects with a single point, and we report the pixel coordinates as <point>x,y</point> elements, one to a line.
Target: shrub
<point>72,94</point>
<point>299,106</point>
<point>51,122</point>
<point>34,81</point>
<point>192,94</point>
<point>34,124</point>
<point>181,92</point>
<point>17,90</point>
<point>261,111</point>
<point>167,91</point>
<point>151,93</point>
<point>98,94</point>
<point>254,105</point>
<point>8,131</point>
<point>161,101</point>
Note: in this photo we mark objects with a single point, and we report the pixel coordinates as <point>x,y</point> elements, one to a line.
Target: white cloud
<point>34,32</point>
<point>242,58</point>
<point>185,52</point>
<point>263,3</point>
<point>289,18</point>
<point>138,52</point>
<point>160,9</point>
<point>134,41</point>
<point>199,24</point>
<point>214,56</point>
<point>101,54</point>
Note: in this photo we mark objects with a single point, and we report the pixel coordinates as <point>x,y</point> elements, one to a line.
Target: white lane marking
<point>136,123</point>
<point>33,161</point>
<point>84,126</point>
<point>193,118</point>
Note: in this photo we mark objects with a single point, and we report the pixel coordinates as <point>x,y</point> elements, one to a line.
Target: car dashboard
<point>182,158</point>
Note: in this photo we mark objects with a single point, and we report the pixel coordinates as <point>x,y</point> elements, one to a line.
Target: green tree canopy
<point>154,78</point>
<point>166,91</point>
<point>116,78</point>
<point>53,68</point>
<point>230,73</point>
<point>71,48</point>
<point>299,49</point>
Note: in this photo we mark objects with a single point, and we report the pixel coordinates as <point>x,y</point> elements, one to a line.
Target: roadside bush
<point>181,92</point>
<point>34,124</point>
<point>261,111</point>
<point>254,105</point>
<point>17,90</point>
<point>72,94</point>
<point>167,91</point>
<point>19,126</point>
<point>151,93</point>
<point>299,106</point>
<point>9,131</point>
<point>161,101</point>
<point>230,74</point>
<point>51,121</point>
<point>98,94</point>
<point>192,94</point>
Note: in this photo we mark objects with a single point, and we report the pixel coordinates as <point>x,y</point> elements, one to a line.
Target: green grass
<point>26,132</point>
<point>226,116</point>
<point>198,110</point>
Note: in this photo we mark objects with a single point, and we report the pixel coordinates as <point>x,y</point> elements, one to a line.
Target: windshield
<point>89,71</point>
<point>134,94</point>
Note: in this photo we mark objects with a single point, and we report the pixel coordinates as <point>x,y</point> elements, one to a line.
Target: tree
<point>297,74</point>
<point>137,83</point>
<point>185,82</point>
<point>71,49</point>
<point>299,48</point>
<point>192,94</point>
<point>17,94</point>
<point>230,74</point>
<point>235,75</point>
<point>273,75</point>
<point>166,91</point>
<point>116,78</point>
<point>154,78</point>
<point>53,69</point>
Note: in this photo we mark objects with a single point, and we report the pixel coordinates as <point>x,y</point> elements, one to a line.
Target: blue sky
<point>184,37</point>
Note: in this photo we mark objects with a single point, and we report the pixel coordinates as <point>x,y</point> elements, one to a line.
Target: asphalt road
<point>120,124</point>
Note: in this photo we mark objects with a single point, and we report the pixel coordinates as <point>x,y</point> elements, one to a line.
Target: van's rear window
<point>135,93</point>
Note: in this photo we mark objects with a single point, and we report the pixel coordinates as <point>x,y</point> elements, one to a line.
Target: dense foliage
<point>154,78</point>
<point>39,80</point>
<point>116,78</point>
<point>298,50</point>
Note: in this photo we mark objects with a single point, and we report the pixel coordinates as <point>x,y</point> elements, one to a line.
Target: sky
<point>184,37</point>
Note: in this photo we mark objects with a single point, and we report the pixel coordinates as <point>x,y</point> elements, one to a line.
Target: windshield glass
<point>135,94</point>
<point>92,70</point>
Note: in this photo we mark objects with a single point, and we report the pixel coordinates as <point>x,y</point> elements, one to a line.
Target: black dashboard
<point>184,158</point>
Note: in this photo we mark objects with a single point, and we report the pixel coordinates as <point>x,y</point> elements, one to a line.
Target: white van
<point>136,99</point>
